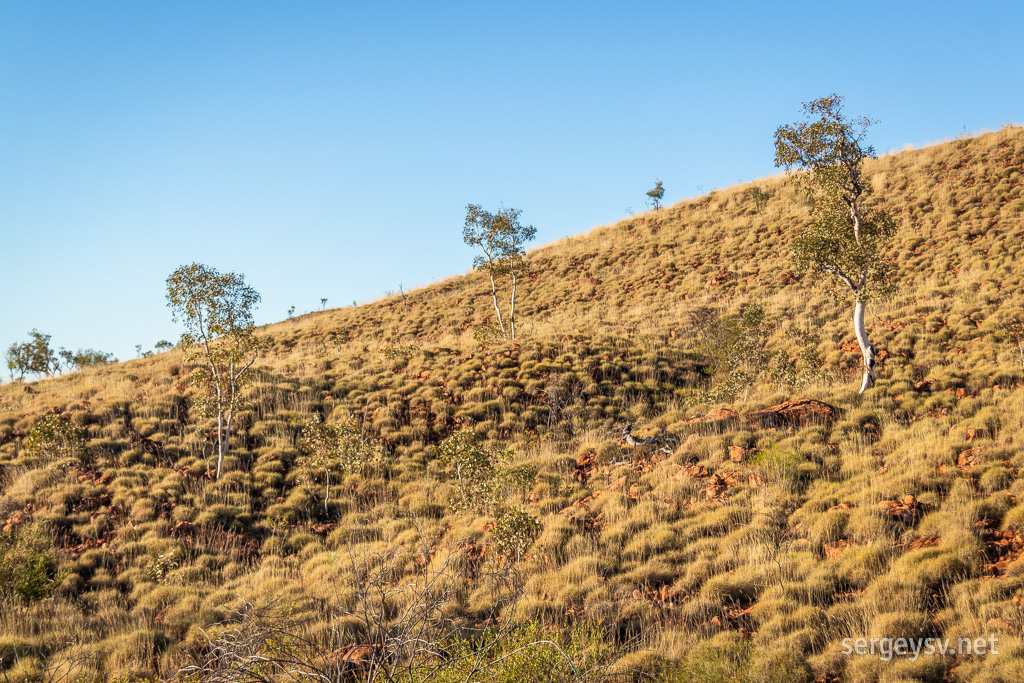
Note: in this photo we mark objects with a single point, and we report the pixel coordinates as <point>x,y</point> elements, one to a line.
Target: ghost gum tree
<point>502,239</point>
<point>848,233</point>
<point>219,339</point>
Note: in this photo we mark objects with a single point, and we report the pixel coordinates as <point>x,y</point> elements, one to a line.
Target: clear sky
<point>328,149</point>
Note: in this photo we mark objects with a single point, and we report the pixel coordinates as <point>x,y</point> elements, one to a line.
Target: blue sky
<point>328,149</point>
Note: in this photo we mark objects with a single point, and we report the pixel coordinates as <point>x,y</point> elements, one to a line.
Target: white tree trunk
<point>327,493</point>
<point>220,442</point>
<point>512,309</point>
<point>497,309</point>
<point>866,349</point>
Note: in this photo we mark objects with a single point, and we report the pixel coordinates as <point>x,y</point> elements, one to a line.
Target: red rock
<point>968,458</point>
<point>361,654</point>
<point>924,542</point>
<point>719,279</point>
<point>835,549</point>
<point>697,471</point>
<point>585,466</point>
<point>796,413</point>
<point>720,414</point>
<point>739,453</point>
<point>996,622</point>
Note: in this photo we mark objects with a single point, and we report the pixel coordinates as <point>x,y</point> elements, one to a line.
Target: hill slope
<point>747,547</point>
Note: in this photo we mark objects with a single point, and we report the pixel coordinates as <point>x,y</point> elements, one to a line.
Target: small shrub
<point>28,570</point>
<point>514,531</point>
<point>59,441</point>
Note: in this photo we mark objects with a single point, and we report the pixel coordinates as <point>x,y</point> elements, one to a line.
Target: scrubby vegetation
<point>483,510</point>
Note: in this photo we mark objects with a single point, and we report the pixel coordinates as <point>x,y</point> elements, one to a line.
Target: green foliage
<point>28,570</point>
<point>514,531</point>
<point>56,439</point>
<point>759,197</point>
<point>778,465</point>
<point>736,661</point>
<point>335,450</point>
<point>393,352</point>
<point>161,566</point>
<point>734,348</point>
<point>656,194</point>
<point>481,475</point>
<point>88,358</point>
<point>501,238</point>
<point>529,652</point>
<point>209,304</point>
<point>32,357</point>
<point>847,236</point>
<point>487,334</point>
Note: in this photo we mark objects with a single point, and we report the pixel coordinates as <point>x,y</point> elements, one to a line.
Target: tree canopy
<point>32,357</point>
<point>847,235</point>
<point>656,194</point>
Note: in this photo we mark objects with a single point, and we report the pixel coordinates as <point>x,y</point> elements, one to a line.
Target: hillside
<point>746,551</point>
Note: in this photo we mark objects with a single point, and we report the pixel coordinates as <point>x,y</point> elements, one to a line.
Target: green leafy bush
<point>28,570</point>
<point>57,440</point>
<point>514,531</point>
<point>481,475</point>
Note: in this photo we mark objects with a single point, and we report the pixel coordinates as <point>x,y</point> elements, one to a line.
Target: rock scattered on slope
<point>797,413</point>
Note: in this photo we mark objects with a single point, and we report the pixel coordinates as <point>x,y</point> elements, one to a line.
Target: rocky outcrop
<point>797,413</point>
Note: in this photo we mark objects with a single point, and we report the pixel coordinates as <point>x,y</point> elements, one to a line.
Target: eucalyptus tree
<point>35,356</point>
<point>340,448</point>
<point>848,233</point>
<point>85,358</point>
<point>220,339</point>
<point>502,239</point>
<point>656,194</point>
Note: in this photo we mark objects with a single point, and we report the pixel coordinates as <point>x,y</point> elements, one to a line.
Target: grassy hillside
<point>746,550</point>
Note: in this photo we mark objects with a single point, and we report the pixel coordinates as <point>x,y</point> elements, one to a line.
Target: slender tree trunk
<point>227,441</point>
<point>512,309</point>
<point>327,493</point>
<point>866,349</point>
<point>220,442</point>
<point>497,309</point>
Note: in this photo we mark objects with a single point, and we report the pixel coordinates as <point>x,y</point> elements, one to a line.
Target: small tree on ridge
<point>656,194</point>
<point>35,356</point>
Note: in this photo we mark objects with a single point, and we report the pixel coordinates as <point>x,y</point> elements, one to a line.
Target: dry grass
<point>797,554</point>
